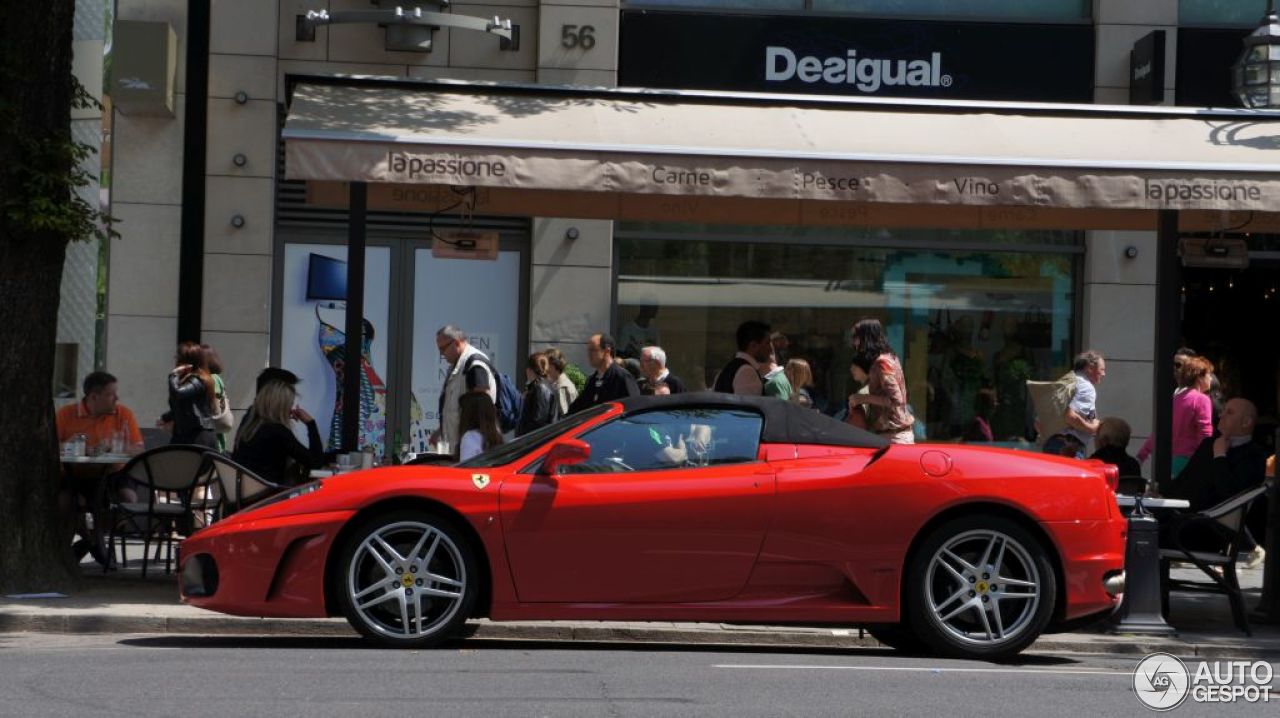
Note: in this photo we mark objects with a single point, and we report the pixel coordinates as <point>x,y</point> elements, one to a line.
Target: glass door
<point>485,298</point>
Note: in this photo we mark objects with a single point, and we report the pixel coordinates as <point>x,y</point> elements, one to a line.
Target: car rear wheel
<point>407,579</point>
<point>980,587</point>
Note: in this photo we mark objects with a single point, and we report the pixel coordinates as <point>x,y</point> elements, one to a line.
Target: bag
<point>1051,399</point>
<point>510,402</point>
<point>223,419</point>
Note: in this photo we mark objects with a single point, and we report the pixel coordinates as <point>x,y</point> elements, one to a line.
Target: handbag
<point>224,420</point>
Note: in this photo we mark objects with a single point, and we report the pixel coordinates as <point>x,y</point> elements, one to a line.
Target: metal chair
<point>168,476</point>
<point>239,486</point>
<point>1210,539</point>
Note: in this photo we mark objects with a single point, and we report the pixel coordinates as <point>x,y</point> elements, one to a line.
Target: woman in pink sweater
<point>1192,413</point>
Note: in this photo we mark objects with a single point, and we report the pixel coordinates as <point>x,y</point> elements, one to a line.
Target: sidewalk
<point>123,602</point>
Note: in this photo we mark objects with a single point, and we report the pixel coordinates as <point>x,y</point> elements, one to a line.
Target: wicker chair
<point>239,486</point>
<point>165,478</point>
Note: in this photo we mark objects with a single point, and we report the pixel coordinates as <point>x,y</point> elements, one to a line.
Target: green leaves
<point>51,167</point>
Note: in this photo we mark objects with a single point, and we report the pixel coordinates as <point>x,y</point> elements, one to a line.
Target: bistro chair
<point>1210,540</point>
<point>238,486</point>
<point>165,478</point>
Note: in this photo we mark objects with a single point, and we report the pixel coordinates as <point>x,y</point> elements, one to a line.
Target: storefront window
<point>973,315</point>
<point>1221,12</point>
<point>984,9</point>
<point>722,4</point>
<point>1043,10</point>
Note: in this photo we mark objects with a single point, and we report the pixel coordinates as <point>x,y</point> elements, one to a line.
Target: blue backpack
<point>510,401</point>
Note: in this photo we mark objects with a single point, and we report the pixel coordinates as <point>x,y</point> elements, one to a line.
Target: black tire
<point>387,598</point>
<point>1025,559</point>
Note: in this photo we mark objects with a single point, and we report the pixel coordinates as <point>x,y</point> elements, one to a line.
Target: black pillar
<point>194,145</point>
<point>1168,334</point>
<point>1268,610</point>
<point>355,317</point>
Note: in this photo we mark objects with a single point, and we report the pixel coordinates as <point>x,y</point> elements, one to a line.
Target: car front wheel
<point>980,587</point>
<point>407,579</point>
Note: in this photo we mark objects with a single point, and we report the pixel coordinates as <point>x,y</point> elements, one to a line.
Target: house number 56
<point>572,36</point>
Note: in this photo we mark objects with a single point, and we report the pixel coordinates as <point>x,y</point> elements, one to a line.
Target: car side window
<point>672,439</point>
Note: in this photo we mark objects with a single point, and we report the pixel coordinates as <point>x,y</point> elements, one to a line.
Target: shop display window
<point>1038,10</point>
<point>1041,10</point>
<point>972,314</point>
<point>1210,13</point>
<point>796,5</point>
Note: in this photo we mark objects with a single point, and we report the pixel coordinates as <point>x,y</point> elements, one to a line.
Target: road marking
<point>926,669</point>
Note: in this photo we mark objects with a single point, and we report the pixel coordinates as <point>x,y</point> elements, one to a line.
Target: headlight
<point>293,493</point>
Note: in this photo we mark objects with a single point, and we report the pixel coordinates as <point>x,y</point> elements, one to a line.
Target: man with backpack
<point>609,382</point>
<point>469,371</point>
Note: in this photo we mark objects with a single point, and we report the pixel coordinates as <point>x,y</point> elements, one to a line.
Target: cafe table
<point>100,459</point>
<point>1151,502</point>
<point>1140,610</point>
<point>96,500</point>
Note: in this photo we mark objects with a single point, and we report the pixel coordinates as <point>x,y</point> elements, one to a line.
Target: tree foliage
<point>47,201</point>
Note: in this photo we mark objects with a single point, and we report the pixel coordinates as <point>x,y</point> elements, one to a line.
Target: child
<point>478,423</point>
<point>1112,441</point>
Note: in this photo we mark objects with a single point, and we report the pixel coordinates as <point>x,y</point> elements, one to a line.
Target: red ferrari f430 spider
<point>700,507</point>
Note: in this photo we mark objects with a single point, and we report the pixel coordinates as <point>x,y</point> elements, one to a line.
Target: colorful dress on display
<point>373,393</point>
<point>419,430</point>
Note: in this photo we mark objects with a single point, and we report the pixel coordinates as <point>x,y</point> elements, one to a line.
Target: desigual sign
<point>856,56</point>
<point>867,74</point>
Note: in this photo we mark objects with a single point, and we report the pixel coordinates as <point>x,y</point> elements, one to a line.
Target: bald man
<point>1223,465</point>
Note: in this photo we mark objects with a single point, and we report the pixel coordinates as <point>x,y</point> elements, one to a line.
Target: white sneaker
<point>1254,558</point>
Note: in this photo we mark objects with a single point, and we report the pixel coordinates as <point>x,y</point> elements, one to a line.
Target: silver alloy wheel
<point>983,587</point>
<point>406,579</point>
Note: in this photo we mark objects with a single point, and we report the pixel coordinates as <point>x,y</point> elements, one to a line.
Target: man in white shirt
<point>469,371</point>
<point>1082,415</point>
<point>653,364</point>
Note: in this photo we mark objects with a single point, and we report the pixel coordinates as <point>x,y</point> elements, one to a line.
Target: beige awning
<point>784,147</point>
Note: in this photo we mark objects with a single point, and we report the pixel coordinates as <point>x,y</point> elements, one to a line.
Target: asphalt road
<point>135,676</point>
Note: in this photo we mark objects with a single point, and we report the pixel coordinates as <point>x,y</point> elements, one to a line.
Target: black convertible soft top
<point>784,422</point>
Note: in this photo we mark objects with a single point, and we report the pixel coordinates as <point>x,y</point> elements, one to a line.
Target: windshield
<point>506,453</point>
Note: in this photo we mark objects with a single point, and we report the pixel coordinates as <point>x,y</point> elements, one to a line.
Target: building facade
<point>972,306</point>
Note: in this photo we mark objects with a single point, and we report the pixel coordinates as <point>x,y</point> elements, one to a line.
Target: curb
<point>604,633</point>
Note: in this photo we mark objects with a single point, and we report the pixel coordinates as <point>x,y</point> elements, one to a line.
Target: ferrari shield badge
<point>480,480</point>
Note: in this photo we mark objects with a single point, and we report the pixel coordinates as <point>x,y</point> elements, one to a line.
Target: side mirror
<point>564,453</point>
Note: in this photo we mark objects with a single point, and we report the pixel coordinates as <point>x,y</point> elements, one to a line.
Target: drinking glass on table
<point>346,461</point>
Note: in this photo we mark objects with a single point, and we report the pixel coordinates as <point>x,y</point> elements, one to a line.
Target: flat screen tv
<point>326,278</point>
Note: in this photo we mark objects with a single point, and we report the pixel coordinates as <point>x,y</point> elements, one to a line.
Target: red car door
<point>672,506</point>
